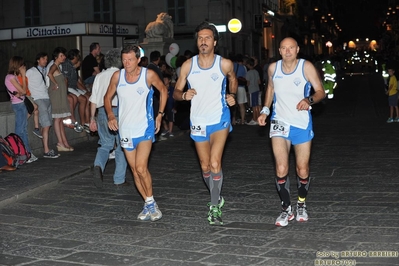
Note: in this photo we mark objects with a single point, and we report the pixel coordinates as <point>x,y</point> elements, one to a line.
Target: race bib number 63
<point>279,129</point>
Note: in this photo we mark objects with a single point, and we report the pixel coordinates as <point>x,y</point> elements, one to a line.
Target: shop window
<point>102,10</point>
<point>32,12</point>
<point>177,9</point>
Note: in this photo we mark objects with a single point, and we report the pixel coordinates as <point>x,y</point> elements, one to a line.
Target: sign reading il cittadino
<point>108,29</point>
<point>49,31</point>
<point>74,29</point>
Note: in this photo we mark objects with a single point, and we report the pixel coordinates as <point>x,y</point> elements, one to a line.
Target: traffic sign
<point>234,25</point>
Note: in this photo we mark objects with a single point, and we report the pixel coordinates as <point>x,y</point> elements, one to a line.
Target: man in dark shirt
<point>90,66</point>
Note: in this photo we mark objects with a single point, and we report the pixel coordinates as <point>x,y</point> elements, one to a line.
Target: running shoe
<point>144,215</point>
<point>215,215</point>
<point>51,154</point>
<point>32,158</point>
<point>111,155</point>
<point>37,133</point>
<point>155,213</point>
<point>285,216</point>
<point>390,120</point>
<point>86,127</point>
<point>301,212</point>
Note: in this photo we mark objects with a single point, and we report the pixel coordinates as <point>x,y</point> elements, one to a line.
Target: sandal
<point>63,148</point>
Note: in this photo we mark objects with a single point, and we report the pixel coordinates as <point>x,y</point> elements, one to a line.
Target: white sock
<point>149,200</point>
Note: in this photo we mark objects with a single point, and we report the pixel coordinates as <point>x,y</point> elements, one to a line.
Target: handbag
<point>29,105</point>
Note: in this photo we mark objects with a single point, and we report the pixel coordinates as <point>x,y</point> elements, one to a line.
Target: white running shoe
<point>144,215</point>
<point>285,216</point>
<point>111,155</point>
<point>301,212</point>
<point>155,213</point>
<point>32,158</point>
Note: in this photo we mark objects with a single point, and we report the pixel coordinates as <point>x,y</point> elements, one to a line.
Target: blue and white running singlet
<point>209,106</point>
<point>135,106</point>
<point>289,90</point>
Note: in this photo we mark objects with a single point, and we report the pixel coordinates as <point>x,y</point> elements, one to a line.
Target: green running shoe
<point>215,215</point>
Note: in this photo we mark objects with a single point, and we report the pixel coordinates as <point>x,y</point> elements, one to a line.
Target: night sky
<point>360,18</point>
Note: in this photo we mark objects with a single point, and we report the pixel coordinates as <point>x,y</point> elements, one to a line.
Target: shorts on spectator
<point>393,100</point>
<point>254,99</point>
<point>44,107</point>
<point>241,95</point>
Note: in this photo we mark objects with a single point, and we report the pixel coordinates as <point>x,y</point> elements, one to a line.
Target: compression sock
<point>205,176</point>
<point>215,186</point>
<point>303,188</point>
<point>283,188</point>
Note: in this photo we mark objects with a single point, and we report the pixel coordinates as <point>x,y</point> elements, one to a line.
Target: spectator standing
<point>170,110</point>
<point>108,139</point>
<point>155,58</point>
<point>240,72</point>
<point>392,93</point>
<point>17,94</point>
<point>39,90</point>
<point>58,97</point>
<point>253,81</point>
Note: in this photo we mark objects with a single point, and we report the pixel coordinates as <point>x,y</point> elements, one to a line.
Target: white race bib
<point>279,129</point>
<point>199,129</point>
<point>127,143</point>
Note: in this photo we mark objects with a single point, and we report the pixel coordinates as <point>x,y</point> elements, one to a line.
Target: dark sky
<point>360,18</point>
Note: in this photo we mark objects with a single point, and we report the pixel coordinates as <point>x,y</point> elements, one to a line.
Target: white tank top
<point>209,104</point>
<point>135,105</point>
<point>289,90</point>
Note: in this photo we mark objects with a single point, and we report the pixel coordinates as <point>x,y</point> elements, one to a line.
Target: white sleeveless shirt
<point>289,90</point>
<point>135,105</point>
<point>209,104</point>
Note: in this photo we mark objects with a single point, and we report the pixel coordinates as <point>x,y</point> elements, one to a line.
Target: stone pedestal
<point>156,44</point>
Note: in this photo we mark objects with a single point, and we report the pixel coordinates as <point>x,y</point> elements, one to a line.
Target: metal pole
<point>114,23</point>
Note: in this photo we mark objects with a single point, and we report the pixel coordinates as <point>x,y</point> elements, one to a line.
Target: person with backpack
<point>17,94</point>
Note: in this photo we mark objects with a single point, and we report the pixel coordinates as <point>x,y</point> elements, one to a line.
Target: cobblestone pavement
<point>51,213</point>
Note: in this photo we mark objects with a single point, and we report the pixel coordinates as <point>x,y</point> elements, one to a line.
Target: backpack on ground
<point>18,147</point>
<point>8,153</point>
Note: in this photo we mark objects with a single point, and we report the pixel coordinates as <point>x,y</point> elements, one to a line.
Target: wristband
<point>161,113</point>
<point>184,96</point>
<point>234,95</point>
<point>265,110</point>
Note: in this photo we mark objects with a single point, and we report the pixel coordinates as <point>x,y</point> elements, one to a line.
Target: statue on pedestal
<point>162,27</point>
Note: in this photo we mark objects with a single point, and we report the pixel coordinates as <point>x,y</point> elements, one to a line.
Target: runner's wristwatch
<point>310,99</point>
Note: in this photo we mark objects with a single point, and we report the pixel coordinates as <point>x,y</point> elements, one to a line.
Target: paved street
<point>52,215</point>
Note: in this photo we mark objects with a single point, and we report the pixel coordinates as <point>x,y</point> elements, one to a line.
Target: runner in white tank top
<point>210,115</point>
<point>136,122</point>
<point>290,80</point>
